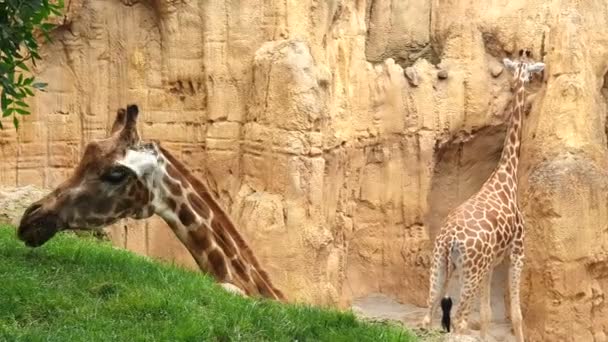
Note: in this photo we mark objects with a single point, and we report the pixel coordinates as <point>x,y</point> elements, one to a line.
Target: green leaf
<point>11,90</point>
<point>23,66</point>
<point>21,94</point>
<point>4,100</point>
<point>8,112</point>
<point>19,19</point>
<point>47,27</point>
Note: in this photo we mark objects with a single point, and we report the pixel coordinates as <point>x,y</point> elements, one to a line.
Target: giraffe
<point>122,176</point>
<point>477,234</point>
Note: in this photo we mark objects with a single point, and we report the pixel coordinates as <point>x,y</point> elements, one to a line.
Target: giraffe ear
<point>536,67</point>
<point>509,64</point>
<point>119,122</point>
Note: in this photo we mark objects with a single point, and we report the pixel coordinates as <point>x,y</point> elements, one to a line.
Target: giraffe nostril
<point>32,209</point>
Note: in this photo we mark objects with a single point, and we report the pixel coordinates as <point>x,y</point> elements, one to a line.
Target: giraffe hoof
<point>233,289</point>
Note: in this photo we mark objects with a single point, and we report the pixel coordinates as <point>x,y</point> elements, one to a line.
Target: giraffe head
<point>523,67</point>
<point>109,183</point>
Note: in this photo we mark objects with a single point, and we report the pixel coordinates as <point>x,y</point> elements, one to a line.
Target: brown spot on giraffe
<point>239,268</point>
<point>199,206</point>
<point>186,216</point>
<point>172,171</point>
<point>218,263</point>
<point>223,240</point>
<point>503,196</point>
<point>200,239</point>
<point>496,201</point>
<point>502,177</point>
<point>171,204</point>
<point>174,188</point>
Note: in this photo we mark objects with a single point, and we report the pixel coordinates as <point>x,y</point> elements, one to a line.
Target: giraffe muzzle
<point>37,227</point>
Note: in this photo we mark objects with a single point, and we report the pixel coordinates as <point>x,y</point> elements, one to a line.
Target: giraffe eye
<point>115,175</point>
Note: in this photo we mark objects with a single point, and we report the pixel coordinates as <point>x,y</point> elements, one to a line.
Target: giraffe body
<point>122,177</point>
<point>478,234</point>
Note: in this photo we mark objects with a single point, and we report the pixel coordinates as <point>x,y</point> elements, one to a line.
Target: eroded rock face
<point>335,167</point>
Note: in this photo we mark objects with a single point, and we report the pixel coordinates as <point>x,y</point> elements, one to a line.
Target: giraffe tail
<point>446,307</point>
<point>451,253</point>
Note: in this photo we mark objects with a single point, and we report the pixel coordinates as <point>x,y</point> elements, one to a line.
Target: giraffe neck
<point>509,160</point>
<point>207,232</point>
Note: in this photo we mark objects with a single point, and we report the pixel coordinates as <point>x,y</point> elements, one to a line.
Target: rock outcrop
<point>339,134</point>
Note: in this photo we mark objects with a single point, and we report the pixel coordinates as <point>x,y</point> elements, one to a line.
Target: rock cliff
<point>339,134</point>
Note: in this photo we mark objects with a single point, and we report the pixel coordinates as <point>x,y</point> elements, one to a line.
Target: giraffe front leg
<point>485,310</point>
<point>515,268</point>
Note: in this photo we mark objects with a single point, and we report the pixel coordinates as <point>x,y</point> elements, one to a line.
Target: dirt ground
<point>380,307</point>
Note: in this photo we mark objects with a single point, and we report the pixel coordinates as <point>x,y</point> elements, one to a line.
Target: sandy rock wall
<point>340,133</point>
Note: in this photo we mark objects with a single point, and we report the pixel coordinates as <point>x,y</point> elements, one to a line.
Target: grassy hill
<point>79,289</point>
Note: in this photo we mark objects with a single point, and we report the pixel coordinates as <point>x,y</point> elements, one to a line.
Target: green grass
<point>80,289</point>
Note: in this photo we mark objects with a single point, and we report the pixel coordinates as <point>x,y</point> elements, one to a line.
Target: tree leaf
<point>21,94</point>
<point>23,66</point>
<point>8,112</point>
<point>21,21</point>
<point>47,27</point>
<point>4,100</point>
<point>10,90</point>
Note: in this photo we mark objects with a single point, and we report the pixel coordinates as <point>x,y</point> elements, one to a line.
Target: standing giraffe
<point>121,177</point>
<point>489,225</point>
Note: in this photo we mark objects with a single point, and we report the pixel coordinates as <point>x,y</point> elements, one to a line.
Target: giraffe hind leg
<point>470,285</point>
<point>439,277</point>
